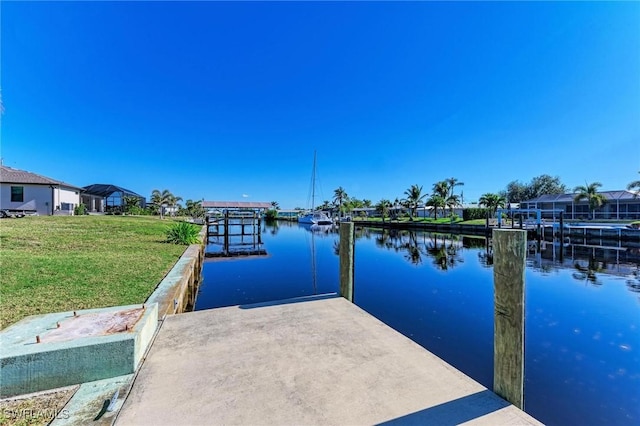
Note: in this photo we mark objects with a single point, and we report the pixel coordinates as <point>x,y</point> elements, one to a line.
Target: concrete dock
<point>304,361</point>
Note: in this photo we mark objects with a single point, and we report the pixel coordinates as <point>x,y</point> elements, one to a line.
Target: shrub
<point>474,213</point>
<point>271,214</point>
<point>80,210</point>
<point>138,211</point>
<point>183,233</point>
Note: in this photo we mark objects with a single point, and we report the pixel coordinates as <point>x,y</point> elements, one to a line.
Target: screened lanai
<point>103,198</point>
<point>619,205</point>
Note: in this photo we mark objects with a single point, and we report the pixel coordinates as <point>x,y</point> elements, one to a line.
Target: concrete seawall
<point>177,292</point>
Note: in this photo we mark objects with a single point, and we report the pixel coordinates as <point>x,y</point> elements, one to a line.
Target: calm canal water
<point>582,353</point>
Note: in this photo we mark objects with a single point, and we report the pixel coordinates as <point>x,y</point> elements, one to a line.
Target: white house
<point>24,191</point>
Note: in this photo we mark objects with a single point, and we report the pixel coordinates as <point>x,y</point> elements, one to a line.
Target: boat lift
<point>528,212</point>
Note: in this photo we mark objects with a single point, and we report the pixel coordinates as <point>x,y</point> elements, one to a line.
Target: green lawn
<point>60,263</point>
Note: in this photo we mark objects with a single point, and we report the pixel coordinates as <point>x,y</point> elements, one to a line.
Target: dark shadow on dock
<point>290,301</point>
<point>454,412</point>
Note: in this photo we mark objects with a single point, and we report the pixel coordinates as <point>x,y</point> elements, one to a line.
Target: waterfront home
<point>101,198</point>
<point>26,192</point>
<point>621,204</point>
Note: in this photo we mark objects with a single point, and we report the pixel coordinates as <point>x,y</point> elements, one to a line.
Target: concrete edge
<point>90,403</point>
<point>177,290</point>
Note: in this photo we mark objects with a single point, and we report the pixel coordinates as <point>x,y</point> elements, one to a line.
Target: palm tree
<point>635,187</point>
<point>441,188</point>
<point>339,197</point>
<point>275,205</point>
<point>160,200</point>
<point>367,203</point>
<point>194,208</point>
<point>383,207</point>
<point>326,205</point>
<point>436,201</point>
<point>590,193</point>
<point>130,201</point>
<point>492,202</point>
<point>173,203</point>
<point>414,197</point>
<point>452,202</point>
<point>452,183</point>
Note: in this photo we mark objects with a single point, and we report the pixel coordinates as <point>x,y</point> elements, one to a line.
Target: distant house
<point>23,191</point>
<point>620,205</point>
<point>102,198</point>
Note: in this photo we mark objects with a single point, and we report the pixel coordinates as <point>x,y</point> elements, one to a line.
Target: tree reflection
<point>588,273</point>
<point>445,252</point>
<point>273,226</point>
<point>486,257</point>
<point>414,254</point>
<point>634,283</point>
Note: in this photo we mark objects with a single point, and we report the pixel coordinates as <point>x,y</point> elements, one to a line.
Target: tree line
<point>443,196</point>
<point>161,203</point>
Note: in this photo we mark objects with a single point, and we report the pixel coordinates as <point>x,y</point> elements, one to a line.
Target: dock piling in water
<point>508,272</point>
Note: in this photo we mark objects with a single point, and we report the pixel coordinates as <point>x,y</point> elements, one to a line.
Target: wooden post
<point>226,232</point>
<point>486,229</point>
<point>347,233</point>
<point>561,237</point>
<point>509,248</point>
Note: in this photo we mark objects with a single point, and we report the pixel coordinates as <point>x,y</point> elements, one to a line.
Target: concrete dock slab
<point>321,361</point>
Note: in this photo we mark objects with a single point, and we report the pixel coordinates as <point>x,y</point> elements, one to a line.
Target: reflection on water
<point>582,360</point>
<point>588,262</point>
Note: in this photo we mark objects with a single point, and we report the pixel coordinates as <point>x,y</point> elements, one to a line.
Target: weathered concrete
<point>306,362</point>
<point>91,351</point>
<point>90,403</point>
<point>177,290</point>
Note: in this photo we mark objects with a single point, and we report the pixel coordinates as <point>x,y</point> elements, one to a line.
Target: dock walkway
<point>303,361</point>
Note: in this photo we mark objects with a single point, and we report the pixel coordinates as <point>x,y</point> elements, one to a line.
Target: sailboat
<point>314,217</point>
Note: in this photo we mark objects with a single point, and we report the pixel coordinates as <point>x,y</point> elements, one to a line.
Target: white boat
<point>316,217</point>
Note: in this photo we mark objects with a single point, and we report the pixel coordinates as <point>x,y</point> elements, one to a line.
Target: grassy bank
<point>60,263</point>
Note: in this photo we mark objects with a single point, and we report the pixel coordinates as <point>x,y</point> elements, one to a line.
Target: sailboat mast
<point>313,183</point>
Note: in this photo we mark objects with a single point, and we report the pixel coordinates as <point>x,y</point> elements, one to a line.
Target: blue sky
<point>222,100</point>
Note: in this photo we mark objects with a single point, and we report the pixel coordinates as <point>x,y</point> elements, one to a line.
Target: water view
<point>582,360</point>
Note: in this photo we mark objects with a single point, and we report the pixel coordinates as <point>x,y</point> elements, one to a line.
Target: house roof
<point>568,198</point>
<point>235,205</point>
<point>105,190</point>
<point>10,175</point>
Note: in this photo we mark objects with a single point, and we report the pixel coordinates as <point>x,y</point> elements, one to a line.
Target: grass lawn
<point>61,263</point>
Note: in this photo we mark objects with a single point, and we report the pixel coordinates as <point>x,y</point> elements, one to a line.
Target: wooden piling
<point>486,228</point>
<point>226,231</point>
<point>509,247</point>
<point>347,237</point>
